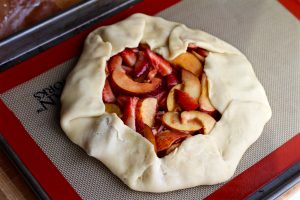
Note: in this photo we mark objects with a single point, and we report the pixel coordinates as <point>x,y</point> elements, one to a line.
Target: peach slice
<point>152,73</point>
<point>191,84</point>
<point>166,139</point>
<point>189,62</point>
<point>129,86</point>
<point>113,108</point>
<point>204,102</point>
<point>173,121</point>
<point>148,134</point>
<point>171,104</point>
<point>189,121</point>
<point>190,117</point>
<point>185,101</point>
<point>145,112</point>
<point>172,148</point>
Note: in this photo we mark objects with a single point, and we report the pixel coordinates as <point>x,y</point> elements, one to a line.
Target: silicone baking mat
<point>265,31</point>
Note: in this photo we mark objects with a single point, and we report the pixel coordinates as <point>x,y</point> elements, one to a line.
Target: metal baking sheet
<point>52,31</point>
<point>249,26</point>
<point>279,185</point>
<point>30,180</point>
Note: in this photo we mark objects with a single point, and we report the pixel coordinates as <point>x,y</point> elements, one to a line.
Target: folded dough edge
<point>200,160</point>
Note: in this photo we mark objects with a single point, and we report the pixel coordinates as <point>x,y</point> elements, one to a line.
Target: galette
<point>162,106</point>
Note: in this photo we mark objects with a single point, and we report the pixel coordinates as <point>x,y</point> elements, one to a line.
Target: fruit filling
<point>164,101</point>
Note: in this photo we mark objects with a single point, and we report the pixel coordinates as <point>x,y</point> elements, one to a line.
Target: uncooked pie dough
<point>199,160</point>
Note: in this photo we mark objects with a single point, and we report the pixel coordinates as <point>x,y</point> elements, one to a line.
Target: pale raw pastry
<point>200,160</point>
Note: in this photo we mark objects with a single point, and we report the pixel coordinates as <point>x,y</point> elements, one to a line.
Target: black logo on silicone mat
<point>49,96</point>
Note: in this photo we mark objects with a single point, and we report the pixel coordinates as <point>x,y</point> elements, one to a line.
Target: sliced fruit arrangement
<point>165,101</point>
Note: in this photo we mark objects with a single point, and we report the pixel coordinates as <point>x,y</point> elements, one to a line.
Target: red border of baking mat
<point>293,6</point>
<point>260,173</point>
<point>42,169</point>
<point>54,183</point>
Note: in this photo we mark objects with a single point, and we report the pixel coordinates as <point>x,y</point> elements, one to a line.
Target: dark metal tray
<point>29,42</point>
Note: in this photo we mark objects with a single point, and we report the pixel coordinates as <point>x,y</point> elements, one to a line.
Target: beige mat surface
<point>263,30</point>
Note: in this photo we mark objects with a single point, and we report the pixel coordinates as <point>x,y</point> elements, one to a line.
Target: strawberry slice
<point>159,115</point>
<point>122,100</point>
<point>145,113</point>
<point>113,63</point>
<point>143,46</point>
<point>164,140</point>
<point>172,80</point>
<point>202,52</point>
<point>147,133</point>
<point>163,66</point>
<point>199,52</point>
<point>158,125</point>
<point>201,58</point>
<point>129,57</point>
<point>161,128</point>
<point>129,112</point>
<point>141,66</point>
<point>185,101</point>
<point>162,99</point>
<point>107,94</point>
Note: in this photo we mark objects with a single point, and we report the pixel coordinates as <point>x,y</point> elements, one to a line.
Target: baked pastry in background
<point>16,15</point>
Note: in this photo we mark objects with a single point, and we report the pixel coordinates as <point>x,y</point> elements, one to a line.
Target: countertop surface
<point>12,184</point>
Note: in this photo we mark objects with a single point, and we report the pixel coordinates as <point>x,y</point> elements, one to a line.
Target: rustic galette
<point>164,107</point>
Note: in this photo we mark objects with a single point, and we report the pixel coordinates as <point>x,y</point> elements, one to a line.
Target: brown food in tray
<point>16,15</point>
